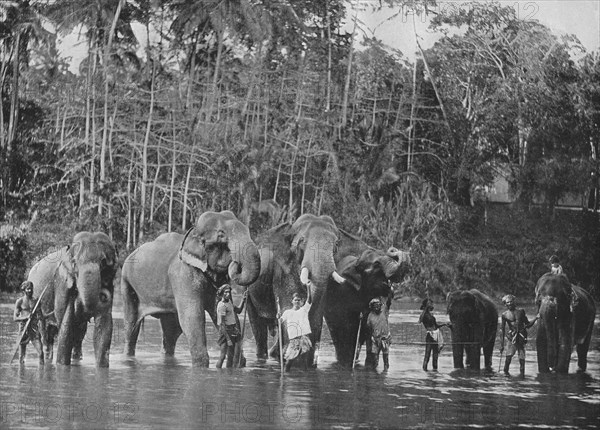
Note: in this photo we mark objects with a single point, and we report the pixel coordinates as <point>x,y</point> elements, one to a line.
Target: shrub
<point>13,243</point>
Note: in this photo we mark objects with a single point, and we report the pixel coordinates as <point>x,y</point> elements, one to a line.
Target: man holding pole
<point>28,315</point>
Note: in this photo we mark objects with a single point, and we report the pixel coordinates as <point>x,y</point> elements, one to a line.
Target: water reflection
<point>152,390</point>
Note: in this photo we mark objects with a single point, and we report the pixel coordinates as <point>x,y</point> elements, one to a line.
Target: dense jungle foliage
<point>184,106</point>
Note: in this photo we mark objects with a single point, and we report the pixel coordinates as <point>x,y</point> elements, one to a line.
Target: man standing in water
<point>297,326</point>
<point>517,332</point>
<point>228,325</point>
<point>379,337</point>
<point>28,332</point>
<point>434,340</point>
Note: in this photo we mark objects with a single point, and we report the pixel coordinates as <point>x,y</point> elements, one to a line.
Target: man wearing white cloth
<point>298,330</point>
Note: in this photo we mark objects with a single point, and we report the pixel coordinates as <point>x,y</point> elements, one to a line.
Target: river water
<point>152,391</point>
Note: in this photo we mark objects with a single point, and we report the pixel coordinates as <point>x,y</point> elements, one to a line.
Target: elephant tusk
<point>336,276</point>
<point>188,258</point>
<point>304,275</point>
<point>233,270</point>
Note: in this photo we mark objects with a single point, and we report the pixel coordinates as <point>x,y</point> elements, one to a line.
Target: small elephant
<point>567,314</point>
<point>79,278</point>
<point>474,320</point>
<point>176,278</point>
<point>291,256</point>
<point>367,273</point>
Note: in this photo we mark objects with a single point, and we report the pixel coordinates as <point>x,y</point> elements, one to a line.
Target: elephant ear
<point>348,269</point>
<point>479,307</point>
<point>192,250</point>
<point>449,300</point>
<point>66,265</point>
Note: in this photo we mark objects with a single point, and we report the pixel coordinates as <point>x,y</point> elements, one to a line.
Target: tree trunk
<point>348,73</point>
<point>185,197</point>
<point>145,158</point>
<point>103,148</point>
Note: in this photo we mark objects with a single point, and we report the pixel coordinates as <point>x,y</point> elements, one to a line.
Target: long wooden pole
<point>280,336</point>
<point>243,330</point>
<point>357,339</point>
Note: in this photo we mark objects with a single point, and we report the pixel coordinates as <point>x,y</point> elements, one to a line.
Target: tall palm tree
<point>22,26</point>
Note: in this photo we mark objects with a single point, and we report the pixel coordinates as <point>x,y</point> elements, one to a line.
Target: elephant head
<point>220,243</point>
<point>567,315</point>
<point>367,273</point>
<point>313,242</point>
<point>291,256</point>
<point>81,279</point>
<point>88,268</point>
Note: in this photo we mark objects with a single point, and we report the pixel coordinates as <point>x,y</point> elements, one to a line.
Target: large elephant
<point>567,315</point>
<point>79,278</point>
<point>474,319</point>
<point>175,278</point>
<point>291,255</point>
<point>367,272</point>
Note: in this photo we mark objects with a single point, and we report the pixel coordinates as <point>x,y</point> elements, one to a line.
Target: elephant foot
<point>261,356</point>
<point>201,360</point>
<point>77,356</point>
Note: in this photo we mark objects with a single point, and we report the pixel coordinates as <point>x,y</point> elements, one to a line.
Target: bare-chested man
<point>23,311</point>
<point>517,323</point>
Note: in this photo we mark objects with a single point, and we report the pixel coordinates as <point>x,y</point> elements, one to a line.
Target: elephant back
<point>149,265</point>
<point>44,274</point>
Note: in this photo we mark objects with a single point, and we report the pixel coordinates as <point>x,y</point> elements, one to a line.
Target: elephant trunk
<point>88,285</point>
<point>548,315</point>
<point>245,265</point>
<point>319,273</point>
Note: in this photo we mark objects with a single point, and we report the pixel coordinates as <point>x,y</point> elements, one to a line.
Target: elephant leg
<point>274,350</point>
<point>259,330</point>
<point>65,335</point>
<point>130,318</point>
<point>475,354</point>
<point>48,342</point>
<point>542,350</point>
<point>457,354</point>
<point>193,323</point>
<point>103,328</point>
<point>564,354</point>
<point>171,332</point>
<point>488,351</point>
<point>582,350</point>
<point>79,331</point>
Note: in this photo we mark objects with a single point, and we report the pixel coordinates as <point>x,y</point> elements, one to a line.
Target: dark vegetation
<point>222,104</point>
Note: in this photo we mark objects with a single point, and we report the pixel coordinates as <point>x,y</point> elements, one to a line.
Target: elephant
<point>367,272</point>
<point>79,280</point>
<point>291,256</point>
<point>474,320</point>
<point>175,278</point>
<point>567,315</point>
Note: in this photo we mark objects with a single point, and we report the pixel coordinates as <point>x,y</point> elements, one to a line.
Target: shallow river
<point>152,391</point>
